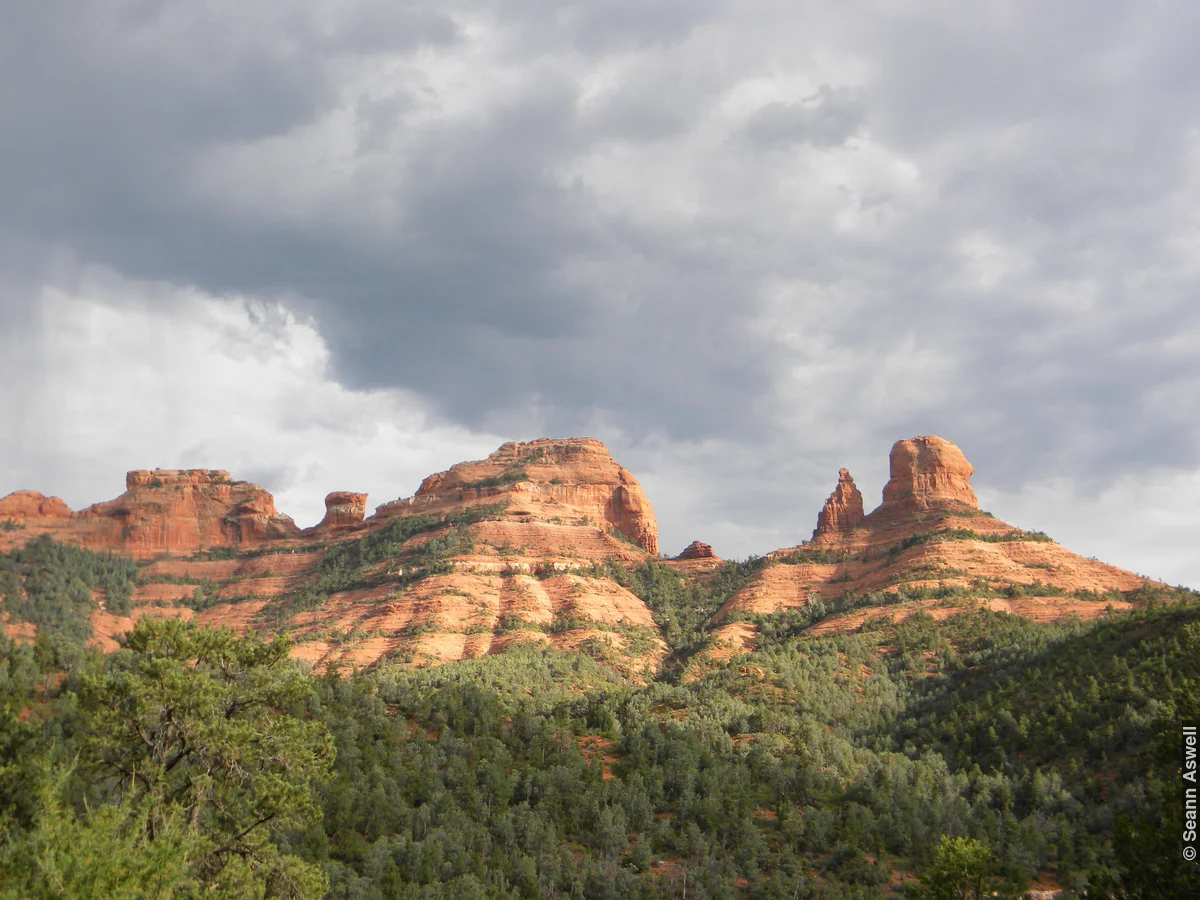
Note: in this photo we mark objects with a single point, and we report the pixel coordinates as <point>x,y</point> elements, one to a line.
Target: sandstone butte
<point>547,511</point>
<point>517,563</point>
<point>697,550</point>
<point>161,511</point>
<point>343,510</point>
<point>696,560</point>
<point>928,532</point>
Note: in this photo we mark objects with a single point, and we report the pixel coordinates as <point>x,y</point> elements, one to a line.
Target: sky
<point>341,246</point>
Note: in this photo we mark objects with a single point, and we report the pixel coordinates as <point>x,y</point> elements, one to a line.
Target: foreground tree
<point>100,853</point>
<point>962,869</point>
<point>197,725</point>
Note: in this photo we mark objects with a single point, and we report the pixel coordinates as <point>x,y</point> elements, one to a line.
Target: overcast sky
<point>342,245</point>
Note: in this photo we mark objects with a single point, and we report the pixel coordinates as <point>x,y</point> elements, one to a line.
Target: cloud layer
<point>129,375</point>
<point>743,243</point>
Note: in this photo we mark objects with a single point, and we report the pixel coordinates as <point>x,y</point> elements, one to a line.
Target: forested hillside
<point>912,759</point>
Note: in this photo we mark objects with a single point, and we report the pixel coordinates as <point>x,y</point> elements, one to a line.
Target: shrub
<point>511,476</point>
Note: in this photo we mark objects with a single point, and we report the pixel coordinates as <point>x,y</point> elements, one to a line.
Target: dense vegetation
<point>933,759</point>
<point>681,606</point>
<point>50,585</point>
<point>349,564</point>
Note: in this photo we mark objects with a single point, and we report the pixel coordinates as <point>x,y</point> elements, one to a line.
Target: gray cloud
<point>826,119</point>
<point>791,234</point>
<point>601,28</point>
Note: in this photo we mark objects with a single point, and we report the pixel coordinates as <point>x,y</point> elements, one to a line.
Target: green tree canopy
<point>196,720</point>
<point>962,869</point>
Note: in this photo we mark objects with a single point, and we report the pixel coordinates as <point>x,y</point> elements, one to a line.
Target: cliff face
<point>568,481</point>
<point>343,510</point>
<point>842,512</point>
<point>927,472</point>
<point>161,511</point>
<point>184,510</point>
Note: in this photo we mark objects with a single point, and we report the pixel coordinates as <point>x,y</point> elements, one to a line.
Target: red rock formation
<point>560,503</point>
<point>629,510</point>
<point>32,505</point>
<point>170,478</point>
<point>929,494</point>
<point>568,480</point>
<point>343,509</point>
<point>187,510</point>
<point>927,472</point>
<point>843,510</point>
<point>697,550</point>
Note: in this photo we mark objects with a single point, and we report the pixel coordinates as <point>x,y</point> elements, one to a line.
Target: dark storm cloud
<point>106,107</point>
<point>978,223</point>
<point>123,103</point>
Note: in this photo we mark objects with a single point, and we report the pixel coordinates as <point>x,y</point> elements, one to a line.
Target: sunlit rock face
<point>550,479</point>
<point>842,512</point>
<point>343,510</point>
<point>697,550</point>
<point>183,510</point>
<point>927,472</point>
